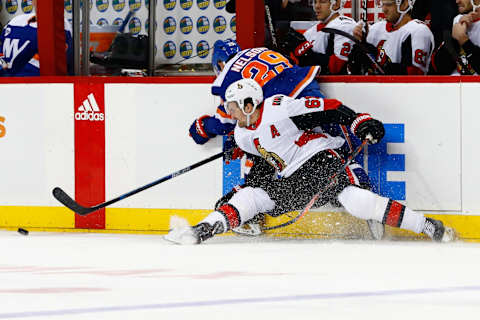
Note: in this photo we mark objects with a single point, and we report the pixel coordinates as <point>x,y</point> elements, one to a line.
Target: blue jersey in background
<point>19,47</point>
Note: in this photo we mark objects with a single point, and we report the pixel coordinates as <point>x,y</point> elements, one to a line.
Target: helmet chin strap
<point>248,114</point>
<point>332,12</point>
<point>474,6</point>
<point>402,13</point>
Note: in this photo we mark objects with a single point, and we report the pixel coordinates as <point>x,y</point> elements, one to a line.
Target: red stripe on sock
<point>394,214</point>
<point>231,214</point>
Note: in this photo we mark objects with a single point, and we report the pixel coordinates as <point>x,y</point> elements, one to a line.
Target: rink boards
<point>98,138</point>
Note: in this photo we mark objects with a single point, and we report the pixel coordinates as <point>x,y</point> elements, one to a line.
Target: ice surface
<point>118,276</point>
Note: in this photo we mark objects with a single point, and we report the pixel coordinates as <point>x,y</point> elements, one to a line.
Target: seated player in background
<point>461,55</point>
<point>275,75</point>
<point>315,47</point>
<point>280,130</point>
<point>401,45</point>
<point>19,50</point>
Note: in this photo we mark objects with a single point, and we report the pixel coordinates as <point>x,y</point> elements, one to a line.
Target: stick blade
<point>68,202</point>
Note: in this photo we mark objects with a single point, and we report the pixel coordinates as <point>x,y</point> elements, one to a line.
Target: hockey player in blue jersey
<point>19,49</point>
<point>276,75</point>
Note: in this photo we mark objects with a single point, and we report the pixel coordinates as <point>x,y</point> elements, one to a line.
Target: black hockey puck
<point>22,231</point>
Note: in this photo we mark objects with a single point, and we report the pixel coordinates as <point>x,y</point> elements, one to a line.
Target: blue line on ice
<point>293,298</point>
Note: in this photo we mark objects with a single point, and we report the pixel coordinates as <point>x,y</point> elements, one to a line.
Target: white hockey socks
<point>243,206</point>
<point>365,204</point>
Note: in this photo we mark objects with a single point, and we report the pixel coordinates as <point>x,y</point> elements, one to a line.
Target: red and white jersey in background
<point>341,45</point>
<point>473,33</point>
<point>276,138</point>
<point>414,35</point>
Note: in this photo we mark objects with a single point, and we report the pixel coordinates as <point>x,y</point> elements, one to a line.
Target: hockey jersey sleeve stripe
<point>305,81</point>
<point>223,114</point>
<point>333,113</point>
<point>308,136</point>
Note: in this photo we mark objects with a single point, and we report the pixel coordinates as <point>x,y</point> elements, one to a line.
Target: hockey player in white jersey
<point>466,31</point>
<point>279,130</point>
<point>402,45</point>
<point>334,48</point>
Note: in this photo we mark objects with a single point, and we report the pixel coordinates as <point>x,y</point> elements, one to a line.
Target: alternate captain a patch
<point>274,131</point>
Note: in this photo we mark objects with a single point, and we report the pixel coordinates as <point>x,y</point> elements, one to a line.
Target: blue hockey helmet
<point>222,51</point>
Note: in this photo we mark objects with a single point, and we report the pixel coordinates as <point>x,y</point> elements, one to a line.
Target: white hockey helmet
<point>398,3</point>
<point>242,92</point>
<point>410,5</point>
<point>340,8</point>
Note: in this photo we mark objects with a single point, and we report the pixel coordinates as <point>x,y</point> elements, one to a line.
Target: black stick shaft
<point>67,201</point>
<point>360,45</point>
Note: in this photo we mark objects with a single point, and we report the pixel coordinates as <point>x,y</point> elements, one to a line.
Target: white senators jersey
<point>341,45</point>
<point>277,139</point>
<point>414,36</point>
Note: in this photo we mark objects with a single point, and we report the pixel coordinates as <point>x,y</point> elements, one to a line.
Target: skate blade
<point>250,230</point>
<point>449,235</point>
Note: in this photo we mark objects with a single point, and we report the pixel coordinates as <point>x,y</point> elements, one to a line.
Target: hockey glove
<point>358,62</point>
<point>198,132</point>
<point>231,150</point>
<point>365,127</point>
<point>295,46</point>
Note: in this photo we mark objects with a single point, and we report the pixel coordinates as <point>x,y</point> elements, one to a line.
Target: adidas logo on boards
<point>89,110</point>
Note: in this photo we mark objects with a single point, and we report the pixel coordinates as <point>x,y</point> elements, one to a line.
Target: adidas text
<point>89,110</point>
<point>97,116</point>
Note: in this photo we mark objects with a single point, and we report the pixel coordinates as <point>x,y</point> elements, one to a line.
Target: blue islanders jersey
<point>19,47</point>
<point>272,71</point>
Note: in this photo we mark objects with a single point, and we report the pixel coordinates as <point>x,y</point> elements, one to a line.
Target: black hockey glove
<point>365,127</point>
<point>358,61</point>
<point>295,46</point>
<point>231,151</point>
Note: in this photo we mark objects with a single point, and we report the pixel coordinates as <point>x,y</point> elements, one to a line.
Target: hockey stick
<point>317,195</point>
<point>125,21</point>
<point>270,26</point>
<point>360,45</point>
<point>365,11</point>
<point>191,57</point>
<point>68,202</point>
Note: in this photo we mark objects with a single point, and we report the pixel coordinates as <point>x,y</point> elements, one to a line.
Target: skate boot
<point>252,227</point>
<point>437,231</point>
<point>182,233</point>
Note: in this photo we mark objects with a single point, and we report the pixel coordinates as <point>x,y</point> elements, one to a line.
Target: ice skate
<point>252,227</point>
<point>182,233</point>
<point>377,229</point>
<point>437,231</point>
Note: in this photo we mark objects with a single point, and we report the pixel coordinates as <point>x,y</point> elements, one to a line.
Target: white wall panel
<point>431,114</point>
<point>147,138</point>
<point>471,148</point>
<point>37,152</point>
